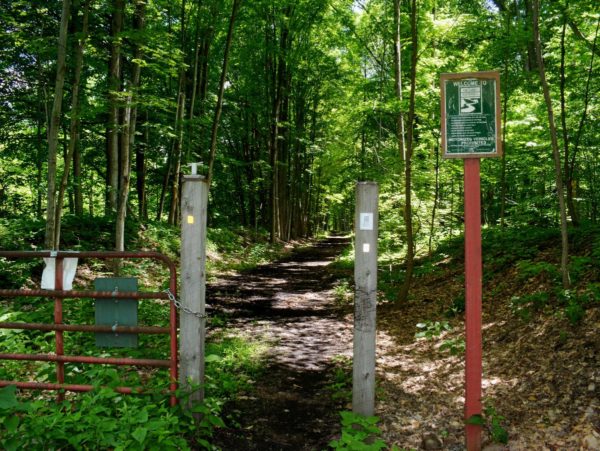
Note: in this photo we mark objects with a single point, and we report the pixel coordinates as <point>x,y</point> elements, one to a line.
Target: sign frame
<point>482,76</point>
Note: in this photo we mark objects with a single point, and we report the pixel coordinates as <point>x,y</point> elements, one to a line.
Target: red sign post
<point>471,130</point>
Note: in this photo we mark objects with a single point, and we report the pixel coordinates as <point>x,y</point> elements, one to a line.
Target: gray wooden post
<point>194,200</point>
<point>365,298</point>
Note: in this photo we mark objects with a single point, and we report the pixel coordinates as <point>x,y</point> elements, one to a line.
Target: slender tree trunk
<point>410,245</point>
<point>50,236</point>
<point>128,132</point>
<point>77,182</point>
<point>140,171</point>
<point>503,183</point>
<point>40,155</point>
<point>177,157</point>
<point>570,163</point>
<point>74,127</point>
<point>114,86</point>
<point>166,178</point>
<point>555,151</point>
<point>565,131</point>
<point>219,107</point>
<point>398,79</point>
<point>436,195</point>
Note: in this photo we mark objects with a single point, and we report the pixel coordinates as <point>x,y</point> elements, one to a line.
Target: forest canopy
<point>287,103</point>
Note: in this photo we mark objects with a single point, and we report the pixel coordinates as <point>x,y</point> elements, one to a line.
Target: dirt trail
<point>291,304</point>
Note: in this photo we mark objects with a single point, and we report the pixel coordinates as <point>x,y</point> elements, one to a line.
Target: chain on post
<point>183,308</point>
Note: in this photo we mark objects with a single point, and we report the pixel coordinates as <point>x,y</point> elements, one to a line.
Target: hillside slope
<point>541,347</point>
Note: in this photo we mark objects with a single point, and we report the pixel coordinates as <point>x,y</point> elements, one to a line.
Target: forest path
<point>290,303</point>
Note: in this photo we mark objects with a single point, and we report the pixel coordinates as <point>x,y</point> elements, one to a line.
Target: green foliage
<point>358,433</point>
<point>345,260</point>
<point>574,305</point>
<point>523,306</point>
<point>341,384</point>
<point>457,307</point>
<point>99,419</point>
<point>104,418</point>
<point>431,329</point>
<point>455,346</point>
<point>342,292</point>
<point>529,269</point>
<point>493,422</point>
<point>580,265</point>
<point>503,247</point>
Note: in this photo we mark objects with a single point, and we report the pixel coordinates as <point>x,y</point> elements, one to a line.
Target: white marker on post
<point>366,221</point>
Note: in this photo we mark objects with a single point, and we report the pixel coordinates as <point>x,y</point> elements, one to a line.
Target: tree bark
<point>570,162</point>
<point>140,171</point>
<point>74,127</point>
<point>398,79</point>
<point>564,262</point>
<point>565,132</point>
<point>49,241</point>
<point>219,106</point>
<point>177,157</point>
<point>128,132</point>
<point>410,246</point>
<point>114,86</point>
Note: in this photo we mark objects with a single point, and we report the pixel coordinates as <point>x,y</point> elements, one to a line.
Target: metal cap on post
<point>365,298</point>
<point>194,201</point>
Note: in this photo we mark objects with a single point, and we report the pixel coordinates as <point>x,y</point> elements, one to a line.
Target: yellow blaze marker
<point>190,219</point>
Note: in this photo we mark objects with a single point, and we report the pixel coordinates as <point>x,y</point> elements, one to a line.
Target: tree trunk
<point>503,183</point>
<point>570,163</point>
<point>278,83</point>
<point>410,246</point>
<point>565,132</point>
<point>49,241</point>
<point>128,132</point>
<point>398,79</point>
<point>74,127</point>
<point>219,106</point>
<point>436,195</point>
<point>177,156</point>
<point>555,152</point>
<point>114,86</point>
<point>140,171</point>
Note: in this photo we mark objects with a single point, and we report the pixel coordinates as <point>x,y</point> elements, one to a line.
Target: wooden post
<point>473,292</point>
<point>194,200</point>
<point>365,298</point>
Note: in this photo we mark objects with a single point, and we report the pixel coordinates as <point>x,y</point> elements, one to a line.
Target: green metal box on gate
<point>116,312</point>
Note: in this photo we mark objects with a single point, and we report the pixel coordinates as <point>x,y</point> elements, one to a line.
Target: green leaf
<point>142,417</point>
<point>11,423</point>
<point>12,444</point>
<point>8,397</point>
<point>212,358</point>
<point>499,434</point>
<point>140,434</point>
<point>476,420</point>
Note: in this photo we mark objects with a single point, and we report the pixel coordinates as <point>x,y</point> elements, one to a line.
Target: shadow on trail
<point>290,303</point>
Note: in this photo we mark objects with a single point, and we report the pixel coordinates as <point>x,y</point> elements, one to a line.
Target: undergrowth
<point>103,418</point>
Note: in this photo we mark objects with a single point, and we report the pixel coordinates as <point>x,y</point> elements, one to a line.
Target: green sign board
<point>116,312</point>
<point>471,115</point>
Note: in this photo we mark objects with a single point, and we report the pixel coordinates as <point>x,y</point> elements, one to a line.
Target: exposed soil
<point>541,374</point>
<point>290,303</point>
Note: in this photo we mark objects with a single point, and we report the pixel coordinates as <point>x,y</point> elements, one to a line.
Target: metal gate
<point>58,294</point>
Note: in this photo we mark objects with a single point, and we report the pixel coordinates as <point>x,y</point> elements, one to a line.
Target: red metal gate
<point>59,327</point>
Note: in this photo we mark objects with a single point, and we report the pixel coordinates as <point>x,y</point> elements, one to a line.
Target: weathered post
<point>192,320</point>
<point>365,298</point>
